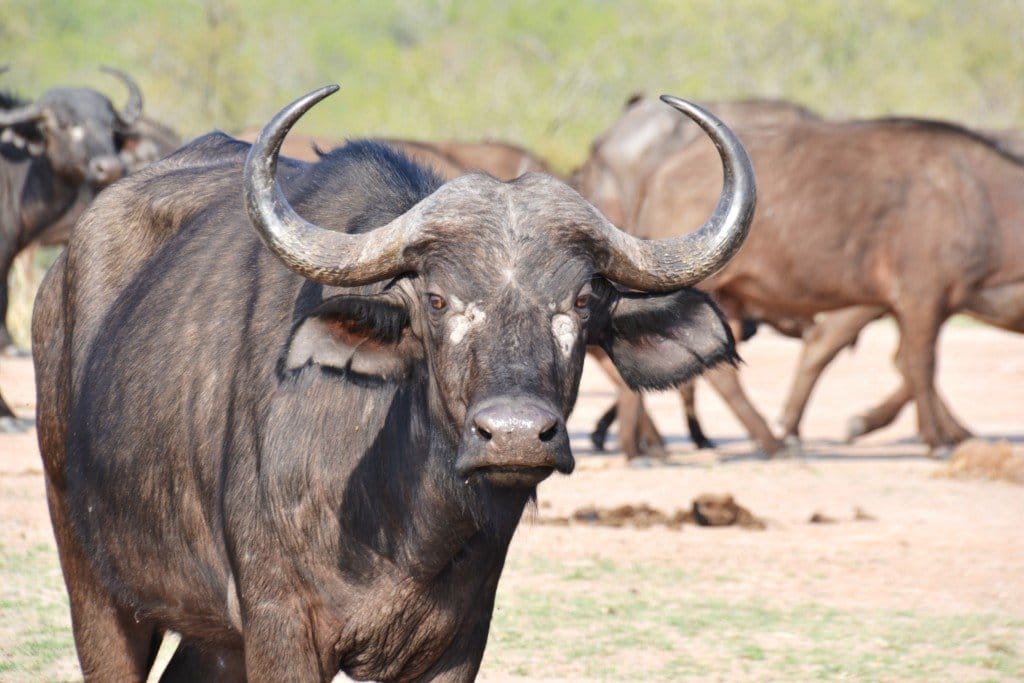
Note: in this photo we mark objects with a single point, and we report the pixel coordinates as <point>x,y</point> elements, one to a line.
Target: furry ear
<point>659,340</point>
<point>364,335</point>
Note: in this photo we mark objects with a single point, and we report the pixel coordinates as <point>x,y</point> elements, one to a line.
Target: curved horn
<point>25,114</point>
<point>132,111</point>
<point>663,265</point>
<point>325,256</point>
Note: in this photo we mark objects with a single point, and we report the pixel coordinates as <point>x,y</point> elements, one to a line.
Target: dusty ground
<point>939,552</point>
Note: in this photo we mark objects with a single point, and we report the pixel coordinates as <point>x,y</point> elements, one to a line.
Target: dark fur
<point>196,477</point>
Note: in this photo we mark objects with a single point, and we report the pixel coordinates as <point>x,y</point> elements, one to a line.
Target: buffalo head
<point>77,129</point>
<point>492,292</point>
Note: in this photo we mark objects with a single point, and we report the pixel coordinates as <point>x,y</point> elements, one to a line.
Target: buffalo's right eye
<point>437,302</point>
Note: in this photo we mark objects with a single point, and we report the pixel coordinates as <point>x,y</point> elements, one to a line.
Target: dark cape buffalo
<point>56,153</point>
<point>614,177</point>
<point>919,219</point>
<point>297,420</point>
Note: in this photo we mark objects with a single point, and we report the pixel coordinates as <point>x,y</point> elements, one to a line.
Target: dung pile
<point>706,510</point>
<point>980,459</point>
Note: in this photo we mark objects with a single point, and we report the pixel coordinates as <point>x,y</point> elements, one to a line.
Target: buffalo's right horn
<point>667,264</point>
<point>132,111</point>
<point>325,256</point>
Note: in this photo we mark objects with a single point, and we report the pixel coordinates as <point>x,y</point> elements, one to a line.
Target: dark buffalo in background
<point>323,442</point>
<point>56,153</point>
<point>447,158</point>
<point>919,219</point>
<point>614,177</point>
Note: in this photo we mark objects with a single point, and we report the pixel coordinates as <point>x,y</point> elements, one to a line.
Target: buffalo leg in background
<point>640,433</point>
<point>688,396</point>
<point>919,334</point>
<point>6,262</point>
<point>636,428</point>
<point>725,380</point>
<point>822,342</point>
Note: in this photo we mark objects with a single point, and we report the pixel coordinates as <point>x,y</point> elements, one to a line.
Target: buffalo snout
<point>514,442</point>
<point>104,170</point>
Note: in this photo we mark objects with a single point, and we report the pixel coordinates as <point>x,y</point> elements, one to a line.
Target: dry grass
<point>980,459</point>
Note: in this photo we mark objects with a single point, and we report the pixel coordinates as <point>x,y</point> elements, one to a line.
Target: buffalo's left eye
<point>437,302</point>
<point>582,300</point>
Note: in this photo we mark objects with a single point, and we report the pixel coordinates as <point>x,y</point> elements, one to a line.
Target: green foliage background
<point>549,74</point>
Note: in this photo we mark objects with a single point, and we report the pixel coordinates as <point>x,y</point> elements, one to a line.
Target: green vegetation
<point>549,74</point>
<point>641,623</point>
<point>35,625</point>
<point>598,619</point>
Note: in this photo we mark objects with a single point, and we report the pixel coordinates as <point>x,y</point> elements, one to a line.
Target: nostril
<point>484,434</point>
<point>549,433</point>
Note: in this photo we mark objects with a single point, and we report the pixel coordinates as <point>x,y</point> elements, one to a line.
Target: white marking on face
<point>564,330</point>
<point>510,275</point>
<point>461,324</point>
<point>77,133</point>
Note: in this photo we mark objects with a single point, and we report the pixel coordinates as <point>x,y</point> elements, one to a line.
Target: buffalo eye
<point>583,298</point>
<point>436,302</point>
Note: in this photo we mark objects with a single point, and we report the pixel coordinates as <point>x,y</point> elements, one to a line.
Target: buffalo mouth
<point>514,476</point>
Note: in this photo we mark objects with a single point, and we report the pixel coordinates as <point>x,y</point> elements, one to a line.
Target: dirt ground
<point>936,546</point>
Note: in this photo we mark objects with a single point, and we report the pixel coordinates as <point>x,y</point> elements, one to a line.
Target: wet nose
<point>515,426</point>
<point>105,170</point>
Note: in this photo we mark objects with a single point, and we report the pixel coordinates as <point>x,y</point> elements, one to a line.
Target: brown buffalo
<point>614,177</point>
<point>915,218</point>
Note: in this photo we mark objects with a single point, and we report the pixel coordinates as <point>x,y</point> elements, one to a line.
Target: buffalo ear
<point>362,335</point>
<point>659,340</point>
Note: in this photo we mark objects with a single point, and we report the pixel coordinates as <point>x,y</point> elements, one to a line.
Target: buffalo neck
<point>34,196</point>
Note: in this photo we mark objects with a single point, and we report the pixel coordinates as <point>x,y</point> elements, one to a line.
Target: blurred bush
<point>547,74</point>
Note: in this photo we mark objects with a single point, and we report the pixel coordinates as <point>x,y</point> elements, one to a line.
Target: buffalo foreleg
<point>822,343</point>
<point>725,380</point>
<point>688,395</point>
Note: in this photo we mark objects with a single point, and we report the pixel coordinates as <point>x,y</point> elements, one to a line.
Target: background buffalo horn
<point>325,256</point>
<point>663,265</point>
<point>132,111</point>
<point>25,114</point>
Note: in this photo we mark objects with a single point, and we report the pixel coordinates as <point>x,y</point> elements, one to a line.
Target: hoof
<point>941,452</point>
<point>12,351</point>
<point>704,444</point>
<point>792,447</point>
<point>642,463</point>
<point>14,425</point>
<point>855,427</point>
<point>597,438</point>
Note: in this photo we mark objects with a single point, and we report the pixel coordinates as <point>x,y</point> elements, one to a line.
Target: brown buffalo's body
<point>615,178</point>
<point>915,218</point>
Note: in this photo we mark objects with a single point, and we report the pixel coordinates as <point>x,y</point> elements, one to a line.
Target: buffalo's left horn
<point>132,111</point>
<point>25,114</point>
<point>326,256</point>
<point>664,265</point>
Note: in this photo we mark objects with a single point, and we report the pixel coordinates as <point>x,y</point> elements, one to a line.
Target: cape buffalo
<point>614,177</point>
<point>304,443</point>
<point>916,218</point>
